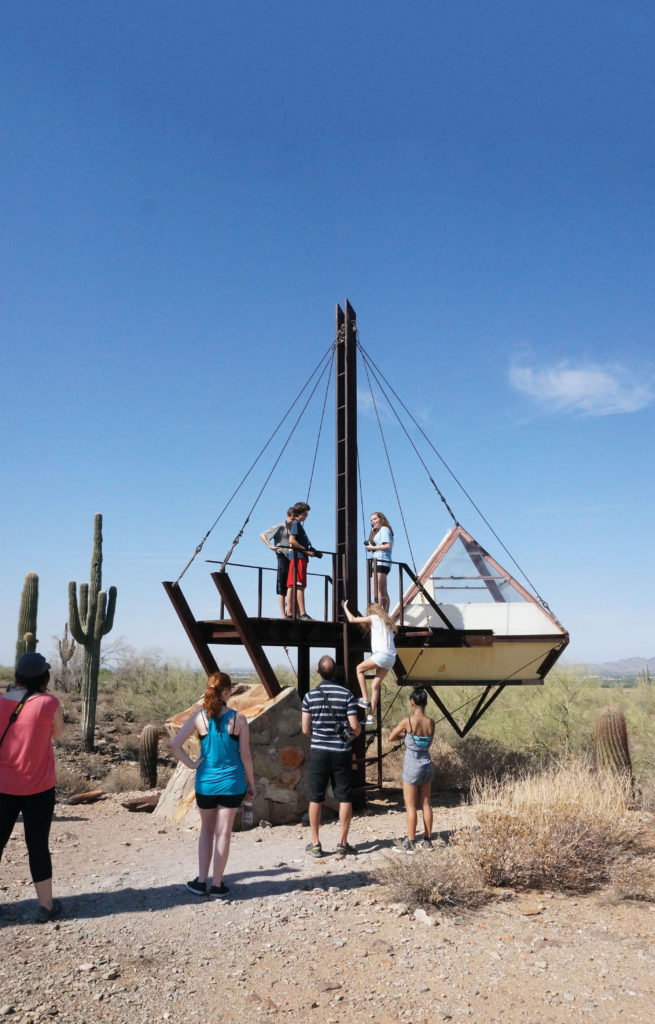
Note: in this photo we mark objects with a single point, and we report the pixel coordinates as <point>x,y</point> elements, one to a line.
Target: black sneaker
<point>217,891</point>
<point>305,618</point>
<point>43,915</point>
<point>426,843</point>
<point>315,850</point>
<point>404,845</point>
<point>346,850</point>
<point>197,888</point>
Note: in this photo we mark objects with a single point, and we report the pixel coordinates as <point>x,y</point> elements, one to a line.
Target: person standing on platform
<point>379,546</point>
<point>277,539</point>
<point>301,550</point>
<point>325,711</point>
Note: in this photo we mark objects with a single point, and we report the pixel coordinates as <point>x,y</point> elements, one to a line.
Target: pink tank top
<point>27,760</point>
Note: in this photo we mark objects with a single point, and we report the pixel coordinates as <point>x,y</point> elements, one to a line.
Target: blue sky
<point>188,189</point>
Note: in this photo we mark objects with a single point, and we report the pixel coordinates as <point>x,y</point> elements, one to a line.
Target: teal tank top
<point>221,772</point>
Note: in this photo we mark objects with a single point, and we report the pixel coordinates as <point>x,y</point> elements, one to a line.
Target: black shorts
<point>208,802</point>
<point>382,568</point>
<point>282,573</point>
<point>333,766</point>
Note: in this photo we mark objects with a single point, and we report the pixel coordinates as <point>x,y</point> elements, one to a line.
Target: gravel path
<point>297,939</point>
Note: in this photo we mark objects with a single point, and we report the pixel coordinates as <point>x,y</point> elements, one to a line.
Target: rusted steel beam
<point>483,704</point>
<point>241,622</point>
<point>191,629</point>
<point>304,670</point>
<point>274,632</point>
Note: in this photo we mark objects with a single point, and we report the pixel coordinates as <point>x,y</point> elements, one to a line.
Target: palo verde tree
<point>29,602</point>
<point>89,622</point>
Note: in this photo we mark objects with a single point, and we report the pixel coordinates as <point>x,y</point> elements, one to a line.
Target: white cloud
<point>592,389</point>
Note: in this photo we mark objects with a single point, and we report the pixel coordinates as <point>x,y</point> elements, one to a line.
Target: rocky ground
<point>298,939</point>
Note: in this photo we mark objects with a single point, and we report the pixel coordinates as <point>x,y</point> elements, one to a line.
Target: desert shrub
<point>634,878</point>
<point>70,781</point>
<point>6,676</point>
<point>123,779</point>
<point>560,829</point>
<point>646,793</point>
<point>457,763</point>
<point>144,686</point>
<point>565,828</point>
<point>442,877</point>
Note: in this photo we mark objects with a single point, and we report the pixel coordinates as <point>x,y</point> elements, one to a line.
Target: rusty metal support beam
<point>483,704</point>
<point>304,670</point>
<point>185,615</point>
<point>242,625</point>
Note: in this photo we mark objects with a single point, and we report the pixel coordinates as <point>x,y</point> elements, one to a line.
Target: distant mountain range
<point>622,667</point>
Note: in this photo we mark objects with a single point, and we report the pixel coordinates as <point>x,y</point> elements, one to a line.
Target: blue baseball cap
<point>31,665</point>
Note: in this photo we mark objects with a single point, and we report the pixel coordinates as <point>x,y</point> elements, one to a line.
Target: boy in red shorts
<point>301,549</point>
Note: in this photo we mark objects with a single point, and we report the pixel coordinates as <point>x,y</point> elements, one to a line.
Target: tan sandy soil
<point>297,939</point>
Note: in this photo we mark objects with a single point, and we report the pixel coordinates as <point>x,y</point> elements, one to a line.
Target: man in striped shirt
<point>325,710</point>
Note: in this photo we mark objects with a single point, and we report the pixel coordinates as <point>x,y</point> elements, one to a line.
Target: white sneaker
<point>369,722</point>
<point>363,703</point>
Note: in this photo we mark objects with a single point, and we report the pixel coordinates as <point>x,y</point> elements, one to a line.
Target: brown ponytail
<point>214,698</point>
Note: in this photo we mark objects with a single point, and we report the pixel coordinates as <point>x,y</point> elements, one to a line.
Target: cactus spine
<point>611,740</point>
<point>148,743</point>
<point>27,616</point>
<point>89,622</point>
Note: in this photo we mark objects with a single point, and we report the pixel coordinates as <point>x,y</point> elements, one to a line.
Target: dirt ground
<point>298,939</point>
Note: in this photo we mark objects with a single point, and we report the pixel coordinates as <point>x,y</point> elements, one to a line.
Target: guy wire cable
<point>273,468</point>
<point>320,426</point>
<point>243,480</point>
<point>376,371</point>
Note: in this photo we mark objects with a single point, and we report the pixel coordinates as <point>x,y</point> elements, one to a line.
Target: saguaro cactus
<point>67,649</point>
<point>611,740</point>
<point>27,616</point>
<point>89,622</point>
<point>148,743</point>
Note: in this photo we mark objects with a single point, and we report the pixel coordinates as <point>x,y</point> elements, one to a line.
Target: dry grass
<point>561,829</point>
<point>440,878</point>
<point>633,878</point>
<point>567,828</point>
<point>124,778</point>
<point>71,781</point>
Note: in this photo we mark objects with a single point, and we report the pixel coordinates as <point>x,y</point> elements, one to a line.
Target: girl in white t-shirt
<point>383,653</point>
<point>379,547</point>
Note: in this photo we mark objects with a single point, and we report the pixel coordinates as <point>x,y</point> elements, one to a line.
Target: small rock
<point>6,1010</point>
<point>328,986</point>
<point>423,918</point>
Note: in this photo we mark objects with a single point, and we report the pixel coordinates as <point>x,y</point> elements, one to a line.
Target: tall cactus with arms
<point>89,622</point>
<point>29,602</point>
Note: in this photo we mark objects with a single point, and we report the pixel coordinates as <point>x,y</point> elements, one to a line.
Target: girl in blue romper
<point>224,776</point>
<point>418,731</point>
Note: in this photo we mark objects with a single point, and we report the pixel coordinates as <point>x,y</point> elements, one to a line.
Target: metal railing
<point>329,609</point>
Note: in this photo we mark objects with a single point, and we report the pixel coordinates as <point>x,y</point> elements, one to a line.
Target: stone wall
<point>279,752</point>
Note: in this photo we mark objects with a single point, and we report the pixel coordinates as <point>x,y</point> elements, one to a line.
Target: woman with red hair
<point>224,776</point>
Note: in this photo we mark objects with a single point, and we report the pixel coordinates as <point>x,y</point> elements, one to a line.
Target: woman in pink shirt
<point>27,770</point>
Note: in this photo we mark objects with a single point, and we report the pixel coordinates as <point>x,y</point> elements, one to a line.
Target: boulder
<point>279,751</point>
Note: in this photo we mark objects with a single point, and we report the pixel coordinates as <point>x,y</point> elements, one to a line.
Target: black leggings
<point>37,817</point>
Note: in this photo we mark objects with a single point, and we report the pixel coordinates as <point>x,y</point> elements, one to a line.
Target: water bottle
<point>246,816</point>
